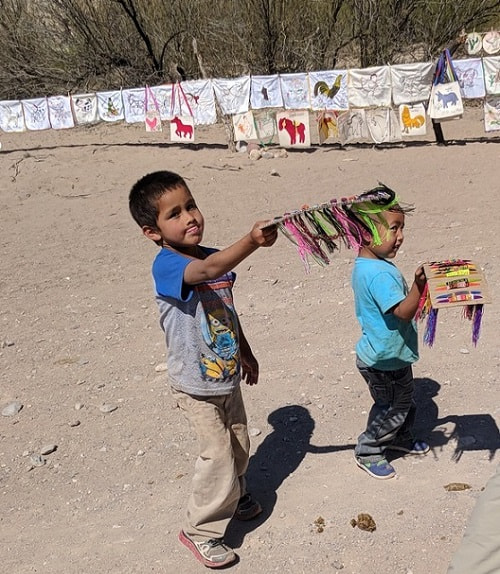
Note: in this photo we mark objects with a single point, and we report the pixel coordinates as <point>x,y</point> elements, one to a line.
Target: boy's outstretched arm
<point>223,261</point>
<point>408,307</point>
<point>249,364</point>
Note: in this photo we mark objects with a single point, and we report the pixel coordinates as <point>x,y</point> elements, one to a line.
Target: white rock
<point>12,409</point>
<point>106,408</point>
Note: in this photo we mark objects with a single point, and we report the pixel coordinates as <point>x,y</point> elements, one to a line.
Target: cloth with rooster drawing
<point>200,325</point>
<point>328,90</point>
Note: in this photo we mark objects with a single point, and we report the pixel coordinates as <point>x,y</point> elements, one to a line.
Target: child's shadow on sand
<point>470,431</point>
<point>276,458</point>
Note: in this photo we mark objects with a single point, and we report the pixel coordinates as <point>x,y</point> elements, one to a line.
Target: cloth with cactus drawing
<point>110,106</point>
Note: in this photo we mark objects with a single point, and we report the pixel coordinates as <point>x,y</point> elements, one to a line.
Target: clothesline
<point>340,90</point>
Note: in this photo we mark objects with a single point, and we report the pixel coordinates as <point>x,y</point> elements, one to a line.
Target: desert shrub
<point>49,47</point>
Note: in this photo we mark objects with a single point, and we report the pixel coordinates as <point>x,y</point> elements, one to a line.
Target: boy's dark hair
<point>144,195</point>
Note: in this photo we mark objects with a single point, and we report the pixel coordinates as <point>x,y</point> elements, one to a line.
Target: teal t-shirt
<point>387,343</point>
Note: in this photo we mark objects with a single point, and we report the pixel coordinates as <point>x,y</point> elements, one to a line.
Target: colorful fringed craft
<point>451,283</point>
<point>320,230</point>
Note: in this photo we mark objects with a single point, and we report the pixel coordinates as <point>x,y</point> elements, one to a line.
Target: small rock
<point>254,154</point>
<point>78,406</point>
<point>37,460</point>
<point>48,449</point>
<point>74,423</point>
<point>274,173</point>
<point>12,409</point>
<point>280,153</point>
<point>106,408</point>
<point>254,432</point>
<point>6,343</point>
<point>456,486</point>
<point>161,367</point>
<point>464,351</point>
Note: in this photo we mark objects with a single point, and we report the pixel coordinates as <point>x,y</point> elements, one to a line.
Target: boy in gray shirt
<point>208,354</point>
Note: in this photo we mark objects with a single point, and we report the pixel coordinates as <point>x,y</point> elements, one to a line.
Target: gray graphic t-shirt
<point>201,328</point>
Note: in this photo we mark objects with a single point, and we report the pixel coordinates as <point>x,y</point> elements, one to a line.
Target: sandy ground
<point>79,336</point>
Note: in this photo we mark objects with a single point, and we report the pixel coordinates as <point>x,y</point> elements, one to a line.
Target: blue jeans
<point>392,415</point>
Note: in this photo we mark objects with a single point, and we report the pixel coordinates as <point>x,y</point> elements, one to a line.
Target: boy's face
<point>179,223</point>
<point>392,236</point>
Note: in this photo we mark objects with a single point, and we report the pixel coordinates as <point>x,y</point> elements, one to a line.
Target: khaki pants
<point>220,424</point>
<point>479,551</point>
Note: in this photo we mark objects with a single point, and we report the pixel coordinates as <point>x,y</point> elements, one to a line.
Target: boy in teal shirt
<point>385,309</point>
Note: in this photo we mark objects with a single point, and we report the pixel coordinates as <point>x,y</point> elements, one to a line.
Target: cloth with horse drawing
<point>134,105</point>
<point>11,116</point>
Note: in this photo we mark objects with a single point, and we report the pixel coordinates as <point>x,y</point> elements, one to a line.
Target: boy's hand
<point>420,278</point>
<point>264,236</point>
<point>249,369</point>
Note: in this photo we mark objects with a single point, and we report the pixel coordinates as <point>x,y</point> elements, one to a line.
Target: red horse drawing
<point>182,130</point>
<point>293,129</point>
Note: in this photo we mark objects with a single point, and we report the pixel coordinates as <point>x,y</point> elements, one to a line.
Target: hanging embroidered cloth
<point>492,114</point>
<point>244,127</point>
<point>491,42</point>
<point>265,92</point>
<point>319,231</point>
<point>233,95</point>
<point>84,108</point>
<point>452,283</point>
<point>265,126</point>
<point>352,126</point>
<point>200,96</point>
<point>327,125</point>
<point>369,87</point>
<point>36,114</point>
<point>328,90</point>
<point>473,43</point>
<point>491,67</point>
<point>383,125</point>
<point>60,114</point>
<point>470,77</point>
<point>411,83</point>
<point>110,106</point>
<point>134,105</point>
<point>295,91</point>
<point>11,116</point>
<point>163,95</point>
<point>412,119</point>
<point>293,128</point>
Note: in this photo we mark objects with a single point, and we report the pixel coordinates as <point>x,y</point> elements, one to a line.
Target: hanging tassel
<point>424,304</point>
<point>476,323</point>
<point>430,327</point>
